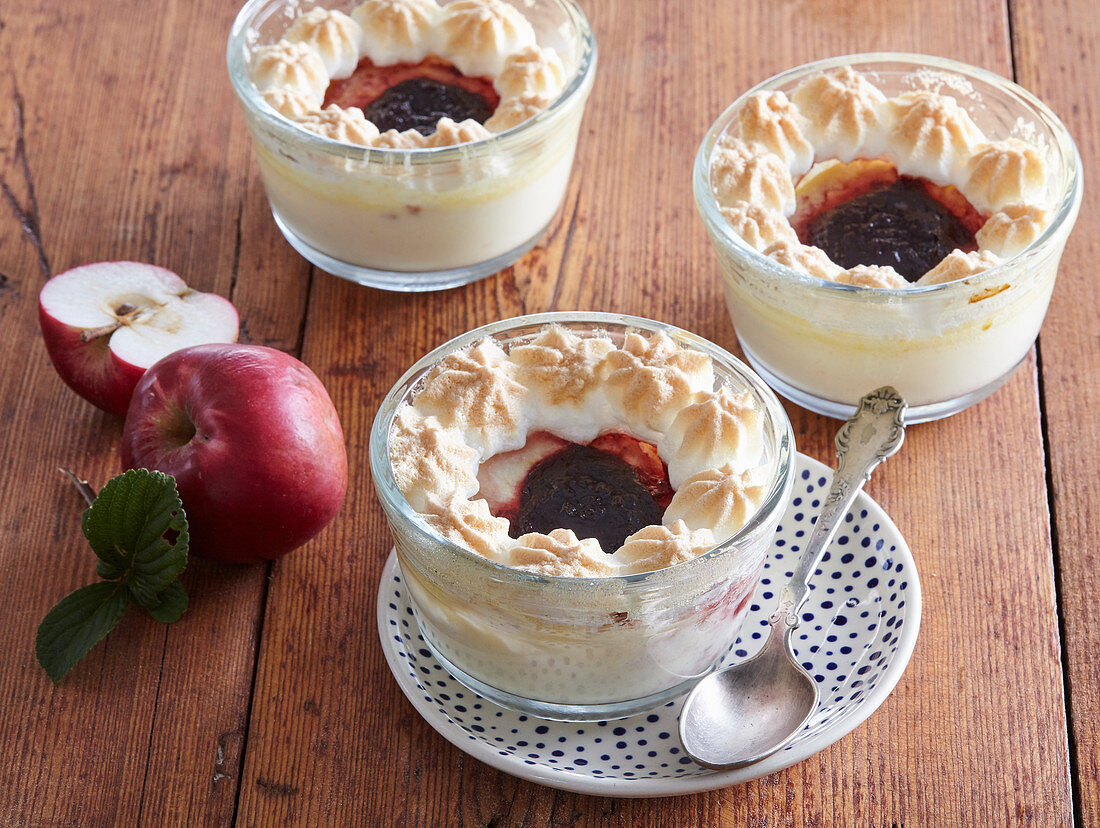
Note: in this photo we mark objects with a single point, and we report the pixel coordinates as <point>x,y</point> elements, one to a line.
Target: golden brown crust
<point>746,173</point>
<point>560,365</point>
<point>771,120</point>
<point>333,35</point>
<point>1012,229</point>
<point>346,125</point>
<point>958,265</point>
<point>657,547</point>
<point>1004,172</point>
<point>720,500</point>
<point>873,276</point>
<point>932,136</point>
<point>560,553</point>
<point>812,261</point>
<point>844,113</point>
<point>760,227</point>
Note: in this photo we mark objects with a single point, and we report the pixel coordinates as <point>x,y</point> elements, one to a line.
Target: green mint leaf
<point>138,529</point>
<point>172,603</point>
<point>108,571</point>
<point>78,623</point>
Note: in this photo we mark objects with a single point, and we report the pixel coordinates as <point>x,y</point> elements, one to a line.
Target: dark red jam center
<point>414,95</point>
<point>882,218</point>
<point>607,490</point>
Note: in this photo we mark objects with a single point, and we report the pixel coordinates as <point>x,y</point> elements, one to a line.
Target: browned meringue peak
<point>448,133</point>
<point>721,500</point>
<point>1011,229</point>
<point>346,125</point>
<point>740,172</point>
<point>473,391</point>
<point>333,34</point>
<point>1004,172</point>
<point>657,547</point>
<point>429,461</point>
<point>844,114</point>
<point>812,261</point>
<point>771,120</point>
<point>292,66</point>
<point>720,427</point>
<point>396,31</point>
<point>289,102</point>
<point>932,136</point>
<point>560,366</point>
<point>477,35</point>
<point>407,140</point>
<point>560,553</point>
<point>514,111</point>
<point>758,226</point>
<point>873,276</point>
<point>958,265</point>
<point>469,523</point>
<point>531,71</point>
<point>652,379</point>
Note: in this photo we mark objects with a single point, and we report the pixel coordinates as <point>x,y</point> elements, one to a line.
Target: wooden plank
<point>331,738</point>
<point>1055,50</point>
<point>133,150</point>
<point>146,157</point>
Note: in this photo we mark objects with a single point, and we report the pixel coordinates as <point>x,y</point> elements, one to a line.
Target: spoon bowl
<point>744,713</point>
<point>760,707</point>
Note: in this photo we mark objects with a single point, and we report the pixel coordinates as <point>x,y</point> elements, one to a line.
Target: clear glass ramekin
<point>944,347</point>
<point>422,219</point>
<point>581,649</point>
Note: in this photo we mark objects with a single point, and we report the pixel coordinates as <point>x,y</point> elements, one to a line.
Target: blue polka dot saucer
<point>858,630</point>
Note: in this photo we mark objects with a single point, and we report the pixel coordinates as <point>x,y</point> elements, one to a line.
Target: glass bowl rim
<point>501,142</point>
<point>721,231</point>
<point>779,486</point>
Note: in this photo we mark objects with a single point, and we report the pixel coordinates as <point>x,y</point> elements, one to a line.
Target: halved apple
<point>105,323</point>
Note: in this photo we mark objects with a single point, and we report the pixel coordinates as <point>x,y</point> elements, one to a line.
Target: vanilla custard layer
<point>376,220</point>
<point>571,642</point>
<point>931,348</point>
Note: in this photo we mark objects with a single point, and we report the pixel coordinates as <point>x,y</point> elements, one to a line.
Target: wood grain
<point>270,702</point>
<point>1057,59</point>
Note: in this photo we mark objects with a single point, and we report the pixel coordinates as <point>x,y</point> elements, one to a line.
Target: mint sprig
<point>138,530</point>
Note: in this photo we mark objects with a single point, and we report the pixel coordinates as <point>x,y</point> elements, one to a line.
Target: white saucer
<point>857,634</point>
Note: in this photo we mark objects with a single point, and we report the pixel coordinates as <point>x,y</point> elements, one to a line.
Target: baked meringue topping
<point>416,73</point>
<point>844,184</point>
<point>572,455</point>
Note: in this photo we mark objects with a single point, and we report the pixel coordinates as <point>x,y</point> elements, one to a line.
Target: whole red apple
<point>105,323</point>
<point>253,440</point>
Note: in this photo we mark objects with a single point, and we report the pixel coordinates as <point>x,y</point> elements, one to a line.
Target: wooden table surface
<point>270,702</point>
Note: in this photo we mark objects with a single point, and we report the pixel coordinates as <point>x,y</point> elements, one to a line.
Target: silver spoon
<point>744,713</point>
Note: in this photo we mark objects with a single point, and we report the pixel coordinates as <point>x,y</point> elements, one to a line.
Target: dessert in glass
<point>408,145</point>
<point>887,219</point>
<point>581,505</point>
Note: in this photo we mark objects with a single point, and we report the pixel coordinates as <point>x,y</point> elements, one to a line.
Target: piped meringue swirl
<point>481,38</point>
<point>841,116</point>
<point>486,400</point>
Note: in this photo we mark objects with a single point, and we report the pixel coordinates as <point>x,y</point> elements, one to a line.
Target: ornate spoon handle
<point>871,435</point>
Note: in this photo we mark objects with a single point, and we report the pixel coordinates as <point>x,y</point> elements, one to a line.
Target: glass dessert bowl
<point>887,219</point>
<point>407,145</point>
<point>581,505</point>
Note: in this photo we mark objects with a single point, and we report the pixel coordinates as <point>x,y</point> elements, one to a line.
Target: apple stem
<point>127,315</point>
<point>96,333</point>
<point>82,486</point>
